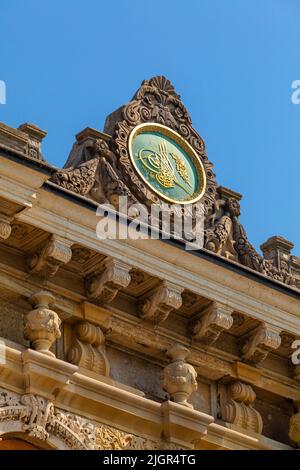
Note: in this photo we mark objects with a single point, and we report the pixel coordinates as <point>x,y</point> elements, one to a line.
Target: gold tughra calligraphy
<point>160,167</point>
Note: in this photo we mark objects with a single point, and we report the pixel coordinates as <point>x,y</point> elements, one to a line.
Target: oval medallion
<point>167,163</point>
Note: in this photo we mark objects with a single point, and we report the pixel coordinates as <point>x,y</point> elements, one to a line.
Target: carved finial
<point>179,378</point>
<point>88,350</point>
<point>237,407</point>
<point>41,325</point>
<point>35,137</point>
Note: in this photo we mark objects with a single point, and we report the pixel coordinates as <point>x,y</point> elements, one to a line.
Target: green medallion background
<point>149,142</point>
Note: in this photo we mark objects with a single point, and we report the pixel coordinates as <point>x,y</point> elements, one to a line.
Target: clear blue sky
<point>69,63</point>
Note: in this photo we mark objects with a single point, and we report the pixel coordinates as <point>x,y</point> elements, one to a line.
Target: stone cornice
<point>174,266</point>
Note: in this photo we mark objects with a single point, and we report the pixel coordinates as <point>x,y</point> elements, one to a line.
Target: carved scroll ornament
<point>238,408</point>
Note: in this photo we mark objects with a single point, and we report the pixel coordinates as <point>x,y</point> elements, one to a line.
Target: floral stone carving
<point>39,418</point>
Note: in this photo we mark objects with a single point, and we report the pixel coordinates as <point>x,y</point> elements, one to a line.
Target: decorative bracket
<point>54,253</point>
<point>237,407</point>
<point>164,299</point>
<point>214,319</point>
<point>88,350</point>
<point>105,286</point>
<point>260,342</point>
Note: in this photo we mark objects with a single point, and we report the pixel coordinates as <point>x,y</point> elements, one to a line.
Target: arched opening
<point>16,444</point>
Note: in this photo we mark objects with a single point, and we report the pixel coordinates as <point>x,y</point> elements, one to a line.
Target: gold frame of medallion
<point>164,130</point>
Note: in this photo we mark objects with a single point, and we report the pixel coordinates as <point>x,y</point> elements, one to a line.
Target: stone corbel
<point>54,253</point>
<point>236,406</point>
<point>162,301</point>
<point>260,342</point>
<point>105,286</point>
<point>294,427</point>
<point>213,320</point>
<point>87,350</point>
<point>5,226</point>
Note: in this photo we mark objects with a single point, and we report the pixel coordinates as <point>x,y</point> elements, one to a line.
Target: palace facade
<point>109,343</point>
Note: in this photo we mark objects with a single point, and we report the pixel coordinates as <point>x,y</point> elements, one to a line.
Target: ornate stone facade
<point>138,344</point>
<point>99,167</point>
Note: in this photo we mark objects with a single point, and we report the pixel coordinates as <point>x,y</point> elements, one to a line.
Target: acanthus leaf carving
<point>226,236</point>
<point>91,169</point>
<point>39,418</point>
<point>104,286</point>
<point>260,342</point>
<point>214,319</point>
<point>109,438</point>
<point>161,302</point>
<point>80,180</point>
